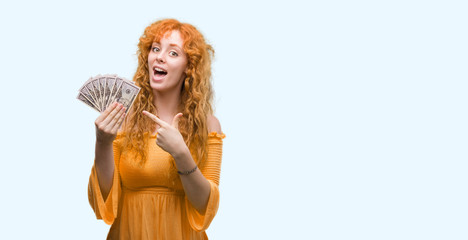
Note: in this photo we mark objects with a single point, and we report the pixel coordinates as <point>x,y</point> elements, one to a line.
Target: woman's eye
<point>155,49</point>
<point>174,54</point>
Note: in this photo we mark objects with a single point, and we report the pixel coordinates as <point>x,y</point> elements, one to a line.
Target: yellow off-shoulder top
<point>149,202</point>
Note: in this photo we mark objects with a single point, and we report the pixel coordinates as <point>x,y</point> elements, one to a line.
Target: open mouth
<point>159,72</point>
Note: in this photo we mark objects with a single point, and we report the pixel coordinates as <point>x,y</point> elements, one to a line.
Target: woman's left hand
<point>169,137</point>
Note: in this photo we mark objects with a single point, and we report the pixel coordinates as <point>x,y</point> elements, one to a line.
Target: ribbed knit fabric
<point>149,202</point>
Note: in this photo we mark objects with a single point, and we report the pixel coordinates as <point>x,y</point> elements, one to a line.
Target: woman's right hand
<point>108,123</point>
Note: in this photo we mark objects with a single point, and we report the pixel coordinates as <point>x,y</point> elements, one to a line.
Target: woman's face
<point>167,62</point>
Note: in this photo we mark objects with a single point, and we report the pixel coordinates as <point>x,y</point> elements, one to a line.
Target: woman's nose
<point>160,58</point>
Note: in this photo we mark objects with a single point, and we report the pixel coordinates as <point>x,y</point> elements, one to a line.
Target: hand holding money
<point>108,123</point>
<point>100,91</point>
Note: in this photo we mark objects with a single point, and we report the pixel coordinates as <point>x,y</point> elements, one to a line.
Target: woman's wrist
<point>184,161</point>
<point>187,172</point>
<point>181,153</point>
<point>100,143</point>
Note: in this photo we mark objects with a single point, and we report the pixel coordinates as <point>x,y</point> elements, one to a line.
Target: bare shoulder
<point>213,124</point>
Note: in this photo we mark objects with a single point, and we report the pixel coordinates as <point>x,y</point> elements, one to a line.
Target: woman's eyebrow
<point>171,45</point>
<point>174,45</point>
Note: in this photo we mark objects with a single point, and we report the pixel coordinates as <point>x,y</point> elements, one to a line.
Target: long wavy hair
<point>196,92</point>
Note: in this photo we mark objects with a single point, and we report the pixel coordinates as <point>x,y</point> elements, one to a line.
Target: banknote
<point>102,90</point>
<point>90,88</point>
<point>110,81</point>
<point>126,94</point>
<point>87,97</point>
<point>97,91</point>
<point>115,88</point>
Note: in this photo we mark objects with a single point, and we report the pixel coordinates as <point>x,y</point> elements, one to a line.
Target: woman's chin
<point>157,79</point>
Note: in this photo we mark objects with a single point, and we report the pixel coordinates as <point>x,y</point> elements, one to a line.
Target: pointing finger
<point>154,118</point>
<point>175,122</point>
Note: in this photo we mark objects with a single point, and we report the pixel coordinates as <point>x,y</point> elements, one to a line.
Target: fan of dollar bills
<point>101,91</point>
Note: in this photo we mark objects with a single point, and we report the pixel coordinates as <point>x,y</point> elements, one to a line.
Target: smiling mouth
<point>158,72</point>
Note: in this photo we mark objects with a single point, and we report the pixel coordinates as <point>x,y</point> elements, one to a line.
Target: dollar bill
<point>110,81</point>
<point>116,89</point>
<point>90,88</point>
<point>102,90</point>
<point>88,96</point>
<point>97,91</point>
<point>102,85</point>
<point>88,102</point>
<point>126,94</point>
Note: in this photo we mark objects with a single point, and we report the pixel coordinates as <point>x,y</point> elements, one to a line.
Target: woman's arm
<point>196,186</point>
<point>107,125</point>
<point>104,163</point>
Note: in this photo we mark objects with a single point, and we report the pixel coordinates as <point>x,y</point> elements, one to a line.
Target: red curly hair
<point>196,92</point>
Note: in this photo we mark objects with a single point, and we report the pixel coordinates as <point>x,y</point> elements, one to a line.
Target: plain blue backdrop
<point>344,119</point>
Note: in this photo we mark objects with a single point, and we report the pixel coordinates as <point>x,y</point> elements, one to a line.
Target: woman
<point>157,177</point>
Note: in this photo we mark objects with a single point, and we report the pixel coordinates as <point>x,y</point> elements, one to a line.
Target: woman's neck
<point>167,104</point>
